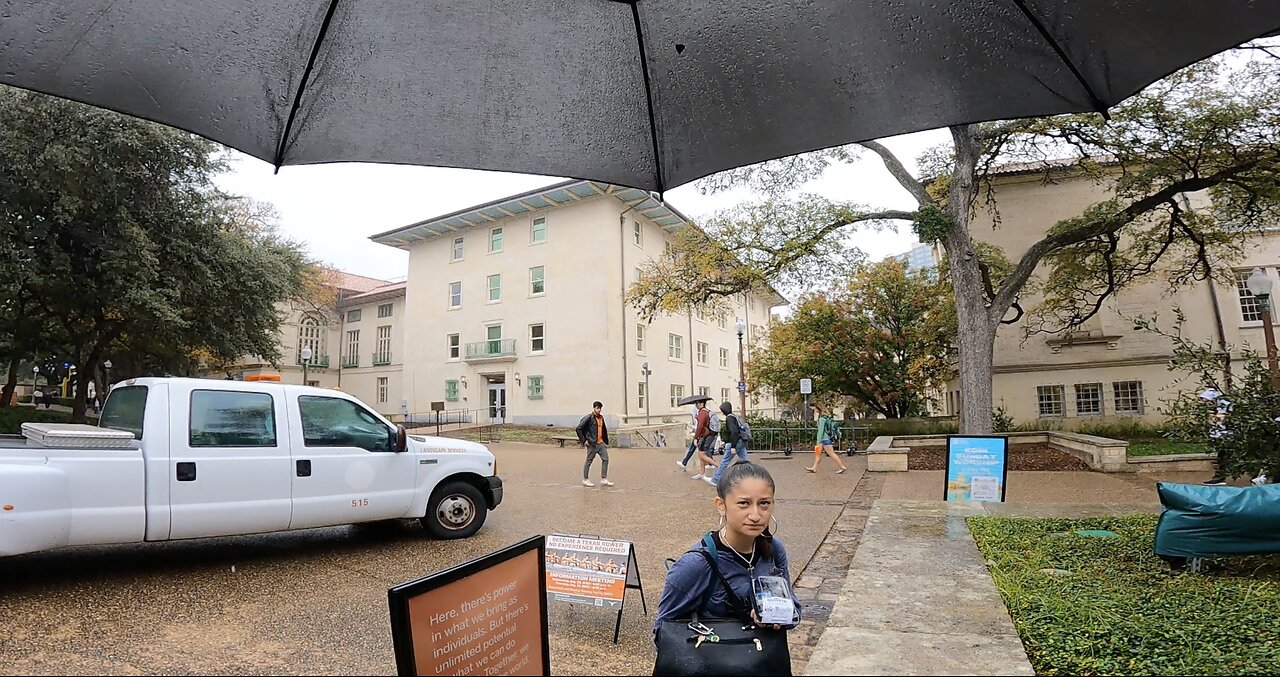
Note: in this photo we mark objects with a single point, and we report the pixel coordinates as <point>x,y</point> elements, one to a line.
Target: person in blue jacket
<point>746,549</point>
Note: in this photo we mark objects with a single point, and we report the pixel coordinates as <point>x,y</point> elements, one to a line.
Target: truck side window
<point>124,410</point>
<point>335,422</point>
<point>225,418</point>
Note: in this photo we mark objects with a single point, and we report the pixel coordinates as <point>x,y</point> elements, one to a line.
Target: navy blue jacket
<point>689,577</point>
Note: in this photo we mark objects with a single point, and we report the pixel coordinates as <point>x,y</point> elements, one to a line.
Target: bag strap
<point>712,555</point>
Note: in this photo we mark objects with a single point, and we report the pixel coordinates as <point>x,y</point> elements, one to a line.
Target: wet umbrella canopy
<point>693,399</point>
<point>650,94</point>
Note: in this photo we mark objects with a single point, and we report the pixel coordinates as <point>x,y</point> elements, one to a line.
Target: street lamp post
<point>644,370</point>
<point>1259,284</point>
<point>106,368</point>
<point>306,359</point>
<point>742,366</point>
<point>35,377</point>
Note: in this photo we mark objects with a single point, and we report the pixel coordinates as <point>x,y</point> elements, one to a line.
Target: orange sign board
<point>485,617</point>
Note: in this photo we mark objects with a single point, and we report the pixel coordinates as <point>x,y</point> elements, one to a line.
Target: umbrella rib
<point>1098,105</point>
<point>648,97</point>
<point>302,86</point>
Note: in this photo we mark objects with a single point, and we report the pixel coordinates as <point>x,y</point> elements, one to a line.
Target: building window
<point>493,337</point>
<point>310,335</point>
<point>382,349</point>
<point>1128,397</point>
<point>637,235</point>
<point>724,358</point>
<point>535,387</point>
<point>457,249</point>
<point>382,389</point>
<point>1088,399</point>
<point>451,390</point>
<point>1250,308</point>
<point>1050,400</point>
<point>702,353</point>
<point>353,315</point>
<point>536,338</point>
<point>638,275</point>
<point>675,346</point>
<point>677,393</point>
<point>495,288</point>
<point>538,231</point>
<point>642,395</point>
<point>455,294</point>
<point>384,310</point>
<point>723,321</point>
<point>495,240</point>
<point>537,280</point>
<point>640,336</point>
<point>352,358</point>
<point>704,390</point>
<point>455,346</point>
<point>701,315</point>
<point>724,394</point>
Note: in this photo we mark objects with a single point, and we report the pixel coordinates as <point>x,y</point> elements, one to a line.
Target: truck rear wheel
<point>456,510</point>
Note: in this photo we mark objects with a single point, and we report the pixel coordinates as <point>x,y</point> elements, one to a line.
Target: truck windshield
<point>124,409</point>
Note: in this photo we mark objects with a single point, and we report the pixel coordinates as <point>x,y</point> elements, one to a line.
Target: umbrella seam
<point>1098,105</point>
<point>648,96</point>
<point>302,86</point>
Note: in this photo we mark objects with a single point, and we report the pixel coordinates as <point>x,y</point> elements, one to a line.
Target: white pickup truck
<point>219,458</point>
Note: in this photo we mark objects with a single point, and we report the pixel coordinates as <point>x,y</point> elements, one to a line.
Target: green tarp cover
<point>1206,521</point>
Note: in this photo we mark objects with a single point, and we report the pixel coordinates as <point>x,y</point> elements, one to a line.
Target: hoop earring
<point>723,523</point>
<point>774,525</point>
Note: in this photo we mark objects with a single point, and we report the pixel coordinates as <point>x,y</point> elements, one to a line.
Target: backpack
<point>833,431</point>
<point>744,430</point>
<point>713,422</point>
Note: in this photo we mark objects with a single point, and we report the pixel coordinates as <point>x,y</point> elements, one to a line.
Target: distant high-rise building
<point>921,257</point>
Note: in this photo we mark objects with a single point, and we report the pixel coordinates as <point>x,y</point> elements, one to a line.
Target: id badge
<point>774,605</point>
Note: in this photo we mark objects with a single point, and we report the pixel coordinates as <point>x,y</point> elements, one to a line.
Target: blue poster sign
<point>977,468</point>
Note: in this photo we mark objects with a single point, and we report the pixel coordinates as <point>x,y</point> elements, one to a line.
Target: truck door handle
<point>304,468</point>
<point>186,472</point>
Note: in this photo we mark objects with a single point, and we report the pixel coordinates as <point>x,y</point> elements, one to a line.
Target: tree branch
<point>1027,265</point>
<point>899,172</point>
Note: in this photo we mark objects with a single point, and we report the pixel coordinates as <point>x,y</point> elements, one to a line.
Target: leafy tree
<point>1247,439</point>
<point>881,340</point>
<point>123,248</point>
<point>1192,164</point>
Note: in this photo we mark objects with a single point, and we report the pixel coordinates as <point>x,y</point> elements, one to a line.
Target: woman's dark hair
<point>742,471</point>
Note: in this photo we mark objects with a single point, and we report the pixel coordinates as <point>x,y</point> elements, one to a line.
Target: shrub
<point>1001,421</point>
<point>12,418</point>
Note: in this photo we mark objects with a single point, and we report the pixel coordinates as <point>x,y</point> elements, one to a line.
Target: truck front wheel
<point>456,510</point>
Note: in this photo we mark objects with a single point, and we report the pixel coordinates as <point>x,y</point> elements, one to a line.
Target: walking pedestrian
<point>735,448</point>
<point>594,436</point>
<point>727,574</point>
<point>693,437</point>
<point>826,434</point>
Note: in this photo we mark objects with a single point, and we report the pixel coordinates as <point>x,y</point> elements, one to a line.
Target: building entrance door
<point>497,402</point>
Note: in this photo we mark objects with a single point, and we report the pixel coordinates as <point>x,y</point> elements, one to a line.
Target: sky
<point>333,209</point>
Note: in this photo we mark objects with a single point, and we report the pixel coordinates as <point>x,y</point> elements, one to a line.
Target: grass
<point>12,418</point>
<point>509,433</point>
<point>1165,447</point>
<point>1120,611</point>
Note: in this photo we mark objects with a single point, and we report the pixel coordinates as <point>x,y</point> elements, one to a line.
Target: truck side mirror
<point>401,440</point>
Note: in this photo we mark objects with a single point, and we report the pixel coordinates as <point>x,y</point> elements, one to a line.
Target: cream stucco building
<point>1107,369</point>
<point>515,309</point>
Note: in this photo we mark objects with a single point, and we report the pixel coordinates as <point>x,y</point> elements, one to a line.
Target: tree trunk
<point>976,330</point>
<point>10,384</point>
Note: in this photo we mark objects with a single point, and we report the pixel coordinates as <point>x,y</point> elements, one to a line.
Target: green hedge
<point>12,418</point>
<point>1119,610</point>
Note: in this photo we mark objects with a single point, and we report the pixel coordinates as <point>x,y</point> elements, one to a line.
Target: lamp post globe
<point>1259,284</point>
<point>306,361</point>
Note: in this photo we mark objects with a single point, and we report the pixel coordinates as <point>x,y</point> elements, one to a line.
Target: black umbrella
<point>649,93</point>
<point>693,399</point>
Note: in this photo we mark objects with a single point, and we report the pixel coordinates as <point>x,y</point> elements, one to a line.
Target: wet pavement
<point>314,601</point>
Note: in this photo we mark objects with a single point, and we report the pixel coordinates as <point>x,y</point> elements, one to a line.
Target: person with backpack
<point>736,433</point>
<point>726,590</point>
<point>828,433</point>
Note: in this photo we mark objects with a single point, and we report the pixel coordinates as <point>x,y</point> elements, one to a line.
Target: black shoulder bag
<point>720,646</point>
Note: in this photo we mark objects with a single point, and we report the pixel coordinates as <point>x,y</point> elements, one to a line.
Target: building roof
<point>352,282</point>
<point>547,197</point>
<point>568,192</point>
<point>383,293</point>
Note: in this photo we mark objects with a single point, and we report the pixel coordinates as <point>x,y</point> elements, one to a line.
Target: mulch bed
<point>1021,457</point>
